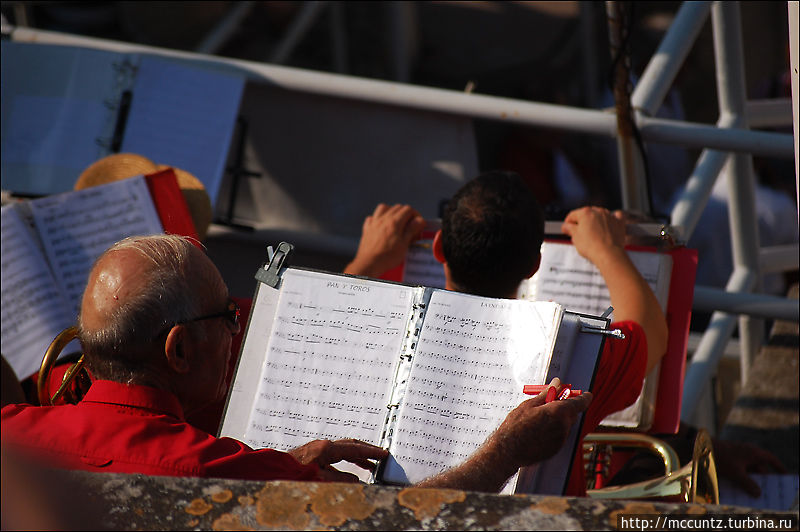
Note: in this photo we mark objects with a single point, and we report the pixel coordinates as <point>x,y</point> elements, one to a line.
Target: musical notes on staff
<point>568,278</point>
<point>76,227</point>
<point>427,374</point>
<point>333,350</point>
<point>470,355</point>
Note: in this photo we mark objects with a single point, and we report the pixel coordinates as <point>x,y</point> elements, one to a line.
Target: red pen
<point>536,389</point>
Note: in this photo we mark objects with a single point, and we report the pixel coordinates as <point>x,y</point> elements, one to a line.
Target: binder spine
<point>413,329</point>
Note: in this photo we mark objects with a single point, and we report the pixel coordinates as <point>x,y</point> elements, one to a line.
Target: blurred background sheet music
<point>65,107</point>
<point>48,247</point>
<point>26,279</point>
<point>185,116</point>
<point>52,114</point>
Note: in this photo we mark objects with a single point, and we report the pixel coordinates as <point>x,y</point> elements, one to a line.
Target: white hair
<point>119,350</point>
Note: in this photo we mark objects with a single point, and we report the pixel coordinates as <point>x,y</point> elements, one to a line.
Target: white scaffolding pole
<point>742,215</point>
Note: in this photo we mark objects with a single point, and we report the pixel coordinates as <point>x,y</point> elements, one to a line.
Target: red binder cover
<point>170,204</point>
<point>667,415</point>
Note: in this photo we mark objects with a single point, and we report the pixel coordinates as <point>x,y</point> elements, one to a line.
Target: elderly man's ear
<point>175,349</point>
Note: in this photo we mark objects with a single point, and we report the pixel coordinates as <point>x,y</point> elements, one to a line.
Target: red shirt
<point>617,384</point>
<point>138,429</point>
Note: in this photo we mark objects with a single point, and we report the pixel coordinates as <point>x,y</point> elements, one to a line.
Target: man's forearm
<point>633,300</point>
<point>483,471</point>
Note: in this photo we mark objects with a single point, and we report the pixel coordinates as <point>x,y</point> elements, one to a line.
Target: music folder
<point>426,373</point>
<point>49,245</point>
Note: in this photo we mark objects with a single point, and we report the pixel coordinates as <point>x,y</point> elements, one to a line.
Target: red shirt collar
<point>134,396</point>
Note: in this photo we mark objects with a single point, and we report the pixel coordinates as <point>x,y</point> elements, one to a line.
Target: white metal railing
<point>729,141</point>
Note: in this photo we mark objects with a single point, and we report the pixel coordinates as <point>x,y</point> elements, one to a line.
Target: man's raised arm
<point>599,236</point>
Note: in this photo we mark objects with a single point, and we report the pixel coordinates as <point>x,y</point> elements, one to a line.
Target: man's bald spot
<point>121,274</point>
<point>116,276</point>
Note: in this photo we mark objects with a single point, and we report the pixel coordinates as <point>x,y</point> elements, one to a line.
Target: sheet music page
<point>77,227</point>
<point>421,267</point>
<point>330,360</point>
<point>566,277</point>
<point>33,309</point>
<point>473,357</point>
<point>184,116</point>
<point>778,492</point>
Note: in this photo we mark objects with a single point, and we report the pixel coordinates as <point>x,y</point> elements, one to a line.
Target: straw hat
<point>123,165</point>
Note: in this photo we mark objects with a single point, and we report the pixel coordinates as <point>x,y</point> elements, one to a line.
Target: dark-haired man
<point>492,231</point>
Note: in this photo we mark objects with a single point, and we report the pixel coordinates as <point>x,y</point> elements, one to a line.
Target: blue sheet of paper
<point>184,117</point>
<point>60,108</point>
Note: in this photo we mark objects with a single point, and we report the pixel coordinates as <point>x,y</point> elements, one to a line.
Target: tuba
<point>695,482</point>
<point>75,379</point>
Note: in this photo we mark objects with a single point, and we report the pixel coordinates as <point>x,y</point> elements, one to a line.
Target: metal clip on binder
<point>616,333</point>
<point>269,273</point>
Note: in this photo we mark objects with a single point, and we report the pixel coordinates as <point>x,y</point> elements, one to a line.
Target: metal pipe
<point>774,259</point>
<point>693,135</point>
<point>297,29</point>
<point>667,61</point>
<point>400,20</point>
<point>229,24</point>
<point>591,122</point>
<point>339,37</point>
<point>707,299</point>
<point>704,361</point>
<point>693,198</point>
<point>772,112</point>
<point>794,65</point>
<point>668,455</point>
<point>732,97</point>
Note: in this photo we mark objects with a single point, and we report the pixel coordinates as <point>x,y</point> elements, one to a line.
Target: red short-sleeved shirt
<point>138,429</point>
<point>142,430</point>
<point>617,384</point>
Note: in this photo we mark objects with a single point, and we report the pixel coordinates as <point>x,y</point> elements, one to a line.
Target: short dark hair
<point>492,231</point>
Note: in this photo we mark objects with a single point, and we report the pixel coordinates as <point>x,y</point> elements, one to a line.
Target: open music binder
<point>569,279</point>
<point>64,107</point>
<point>49,245</point>
<point>426,373</point>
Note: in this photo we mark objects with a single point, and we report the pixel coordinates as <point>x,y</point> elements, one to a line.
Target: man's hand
<point>735,460</point>
<point>535,430</point>
<point>385,237</point>
<point>324,453</point>
<point>599,236</point>
<point>532,432</point>
<point>595,232</point>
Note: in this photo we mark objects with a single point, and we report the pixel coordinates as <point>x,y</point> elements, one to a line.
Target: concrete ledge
<point>137,502</point>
